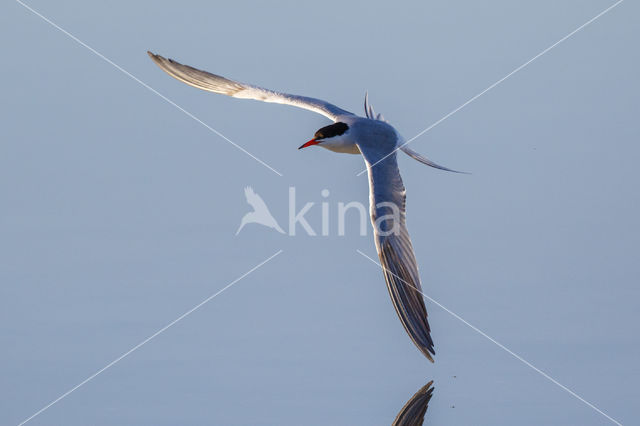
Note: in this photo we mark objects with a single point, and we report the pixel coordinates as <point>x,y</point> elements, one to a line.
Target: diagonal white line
<point>136,347</point>
<point>497,83</point>
<point>500,345</point>
<point>101,56</point>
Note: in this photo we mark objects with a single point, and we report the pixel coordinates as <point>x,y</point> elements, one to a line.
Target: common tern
<point>377,141</point>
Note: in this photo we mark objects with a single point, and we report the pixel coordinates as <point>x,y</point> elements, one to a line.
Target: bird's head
<point>331,135</point>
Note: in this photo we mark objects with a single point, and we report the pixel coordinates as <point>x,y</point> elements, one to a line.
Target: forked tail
<point>424,160</point>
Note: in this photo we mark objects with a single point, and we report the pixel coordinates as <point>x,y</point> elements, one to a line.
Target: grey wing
<point>217,84</point>
<point>387,199</point>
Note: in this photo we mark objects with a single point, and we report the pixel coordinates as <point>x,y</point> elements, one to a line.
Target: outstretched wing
<point>387,199</point>
<point>217,84</point>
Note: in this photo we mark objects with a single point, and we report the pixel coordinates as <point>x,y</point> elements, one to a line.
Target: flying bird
<point>378,142</point>
<point>260,213</point>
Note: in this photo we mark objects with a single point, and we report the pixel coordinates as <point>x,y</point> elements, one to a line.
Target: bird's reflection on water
<point>413,412</point>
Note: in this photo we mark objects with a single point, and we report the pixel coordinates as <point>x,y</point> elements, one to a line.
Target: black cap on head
<point>335,129</point>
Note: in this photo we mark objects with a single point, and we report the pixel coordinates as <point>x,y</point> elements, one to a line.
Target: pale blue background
<point>118,214</point>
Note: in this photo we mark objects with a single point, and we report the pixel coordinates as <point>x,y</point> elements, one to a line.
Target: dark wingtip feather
<point>407,299</point>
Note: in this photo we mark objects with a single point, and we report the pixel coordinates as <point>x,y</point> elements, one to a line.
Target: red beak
<point>311,142</point>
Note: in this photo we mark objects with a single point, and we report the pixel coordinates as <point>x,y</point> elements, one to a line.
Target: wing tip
<point>153,55</point>
<point>427,350</point>
<point>159,60</point>
<point>429,357</point>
